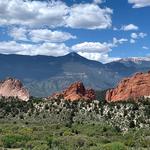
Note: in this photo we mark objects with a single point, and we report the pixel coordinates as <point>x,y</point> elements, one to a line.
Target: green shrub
<point>37,145</point>
<point>50,141</point>
<point>114,146</point>
<point>14,141</point>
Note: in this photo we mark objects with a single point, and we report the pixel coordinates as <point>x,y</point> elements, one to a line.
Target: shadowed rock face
<point>134,87</point>
<point>13,88</point>
<point>76,91</point>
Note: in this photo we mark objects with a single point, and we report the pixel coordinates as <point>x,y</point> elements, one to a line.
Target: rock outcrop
<point>76,91</point>
<point>13,88</point>
<point>131,88</point>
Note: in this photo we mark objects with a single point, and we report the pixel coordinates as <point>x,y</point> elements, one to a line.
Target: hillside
<point>44,75</point>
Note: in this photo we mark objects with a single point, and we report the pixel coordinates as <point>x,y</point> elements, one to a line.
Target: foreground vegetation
<point>95,136</point>
<point>82,125</point>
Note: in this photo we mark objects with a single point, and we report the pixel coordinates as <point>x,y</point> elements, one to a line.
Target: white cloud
<point>138,35</point>
<point>51,49</point>
<point>54,14</point>
<point>89,16</point>
<point>40,35</point>
<point>118,41</point>
<point>145,47</point>
<point>91,47</point>
<point>139,3</point>
<point>96,50</point>
<point>129,27</point>
<point>132,41</point>
<point>142,35</point>
<point>19,34</point>
<point>102,57</point>
<point>135,36</point>
<point>33,13</point>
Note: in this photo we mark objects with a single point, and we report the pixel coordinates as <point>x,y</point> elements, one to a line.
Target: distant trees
<point>100,95</point>
<point>70,112</point>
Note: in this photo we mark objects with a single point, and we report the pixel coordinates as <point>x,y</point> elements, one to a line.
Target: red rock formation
<point>76,91</point>
<point>134,87</point>
<point>90,93</point>
<point>13,88</point>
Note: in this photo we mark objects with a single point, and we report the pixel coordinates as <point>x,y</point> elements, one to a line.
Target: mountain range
<point>43,75</point>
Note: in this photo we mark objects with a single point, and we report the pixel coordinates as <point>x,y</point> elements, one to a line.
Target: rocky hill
<point>13,88</point>
<point>131,88</point>
<point>75,91</point>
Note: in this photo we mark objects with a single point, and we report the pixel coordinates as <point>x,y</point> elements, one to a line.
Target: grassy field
<point>94,136</point>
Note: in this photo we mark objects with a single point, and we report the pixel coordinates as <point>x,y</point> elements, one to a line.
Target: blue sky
<point>102,30</point>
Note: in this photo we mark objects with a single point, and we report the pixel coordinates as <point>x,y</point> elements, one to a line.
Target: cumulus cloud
<point>138,35</point>
<point>102,57</point>
<point>142,35</point>
<point>91,47</point>
<point>51,49</point>
<point>135,36</point>
<point>40,35</point>
<point>33,13</point>
<point>19,34</point>
<point>89,16</point>
<point>96,50</point>
<point>132,41</point>
<point>129,27</point>
<point>139,3</point>
<point>54,14</point>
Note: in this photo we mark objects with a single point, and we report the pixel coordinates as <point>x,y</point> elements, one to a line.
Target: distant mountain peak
<point>136,60</point>
<point>73,54</point>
